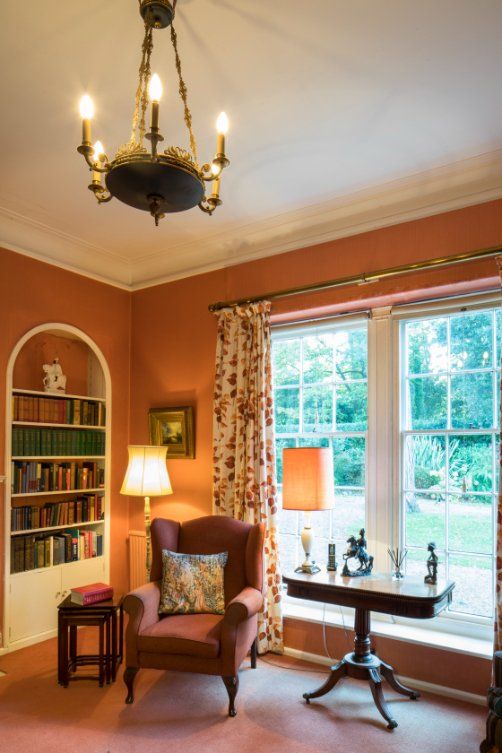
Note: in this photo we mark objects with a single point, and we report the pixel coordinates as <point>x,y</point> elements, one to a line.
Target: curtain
<point>498,604</point>
<point>244,484</point>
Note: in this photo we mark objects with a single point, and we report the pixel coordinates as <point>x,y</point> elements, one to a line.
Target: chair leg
<point>254,653</point>
<point>129,675</point>
<point>232,686</point>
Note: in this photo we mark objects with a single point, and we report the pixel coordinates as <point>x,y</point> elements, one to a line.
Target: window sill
<point>410,633</point>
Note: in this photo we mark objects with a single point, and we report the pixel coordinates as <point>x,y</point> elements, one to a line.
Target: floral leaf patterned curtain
<point>244,485</point>
<point>498,602</point>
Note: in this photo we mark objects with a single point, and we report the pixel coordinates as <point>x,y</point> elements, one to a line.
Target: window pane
<point>351,406</point>
<point>471,401</point>
<point>287,520</point>
<point>289,556</point>
<point>351,354</point>
<point>471,341</point>
<point>425,520</point>
<point>349,461</point>
<point>471,463</point>
<point>286,362</point>
<point>318,358</point>
<point>313,442</point>
<point>287,410</point>
<point>428,403</point>
<point>348,517</point>
<point>318,408</point>
<point>470,523</point>
<point>427,346</point>
<point>313,373</point>
<point>415,563</point>
<point>280,444</point>
<point>425,463</point>
<point>473,585</point>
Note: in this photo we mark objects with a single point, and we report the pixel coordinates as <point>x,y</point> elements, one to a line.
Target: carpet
<point>181,713</point>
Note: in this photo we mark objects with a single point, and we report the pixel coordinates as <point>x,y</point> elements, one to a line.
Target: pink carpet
<point>181,713</point>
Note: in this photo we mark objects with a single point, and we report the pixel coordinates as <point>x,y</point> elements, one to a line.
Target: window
<point>409,402</point>
<point>321,391</point>
<point>450,417</point>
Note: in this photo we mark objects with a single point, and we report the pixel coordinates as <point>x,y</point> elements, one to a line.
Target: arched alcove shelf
<point>57,526</point>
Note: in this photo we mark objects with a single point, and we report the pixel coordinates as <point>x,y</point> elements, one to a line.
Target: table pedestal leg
<point>388,672</point>
<point>363,664</point>
<point>337,671</point>
<point>376,691</point>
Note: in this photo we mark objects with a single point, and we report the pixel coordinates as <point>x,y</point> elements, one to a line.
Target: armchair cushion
<point>192,583</point>
<point>188,635</point>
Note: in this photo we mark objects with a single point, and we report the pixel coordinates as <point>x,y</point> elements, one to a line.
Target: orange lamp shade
<point>307,478</point>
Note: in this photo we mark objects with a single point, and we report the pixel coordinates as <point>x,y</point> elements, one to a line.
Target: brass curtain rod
<point>442,261</point>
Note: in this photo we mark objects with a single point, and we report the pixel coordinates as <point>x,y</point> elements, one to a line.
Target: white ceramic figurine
<point>54,379</point>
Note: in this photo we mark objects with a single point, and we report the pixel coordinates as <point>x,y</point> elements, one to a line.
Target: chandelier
<point>155,181</point>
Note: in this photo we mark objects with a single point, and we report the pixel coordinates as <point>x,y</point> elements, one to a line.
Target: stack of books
<point>91,594</point>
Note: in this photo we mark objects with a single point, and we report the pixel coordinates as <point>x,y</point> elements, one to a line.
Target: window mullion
<point>380,436</point>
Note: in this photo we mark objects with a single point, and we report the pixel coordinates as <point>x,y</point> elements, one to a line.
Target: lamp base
<point>310,568</point>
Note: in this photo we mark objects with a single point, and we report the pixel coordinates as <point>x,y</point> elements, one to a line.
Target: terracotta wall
<point>33,293</point>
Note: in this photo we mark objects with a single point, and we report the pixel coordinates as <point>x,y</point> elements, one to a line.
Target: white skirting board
<point>427,687</point>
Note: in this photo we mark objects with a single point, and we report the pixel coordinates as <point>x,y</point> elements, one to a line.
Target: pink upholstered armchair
<point>204,643</point>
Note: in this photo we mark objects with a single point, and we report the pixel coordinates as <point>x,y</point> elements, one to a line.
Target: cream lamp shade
<point>307,478</point>
<point>307,485</point>
<point>146,474</point>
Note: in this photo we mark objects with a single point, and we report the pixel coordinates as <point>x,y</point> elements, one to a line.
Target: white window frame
<point>384,518</point>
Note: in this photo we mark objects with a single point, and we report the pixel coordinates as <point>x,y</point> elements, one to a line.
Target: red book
<point>91,594</point>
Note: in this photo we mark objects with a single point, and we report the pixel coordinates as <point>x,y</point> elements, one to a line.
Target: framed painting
<point>174,428</point>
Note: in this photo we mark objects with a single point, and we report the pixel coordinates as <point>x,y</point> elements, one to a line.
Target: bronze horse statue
<point>356,551</point>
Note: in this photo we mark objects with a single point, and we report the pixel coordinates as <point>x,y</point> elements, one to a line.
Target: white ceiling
<point>345,115</point>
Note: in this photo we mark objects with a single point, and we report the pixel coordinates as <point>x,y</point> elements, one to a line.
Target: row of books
<point>79,510</point>
<point>57,410</point>
<point>32,477</point>
<point>32,552</point>
<point>57,442</point>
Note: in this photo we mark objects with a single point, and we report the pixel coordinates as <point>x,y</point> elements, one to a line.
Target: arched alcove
<point>58,472</point>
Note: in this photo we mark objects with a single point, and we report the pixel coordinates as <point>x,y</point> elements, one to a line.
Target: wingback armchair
<point>203,643</point>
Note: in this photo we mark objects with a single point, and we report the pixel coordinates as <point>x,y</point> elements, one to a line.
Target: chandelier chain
<point>183,94</point>
<point>141,101</point>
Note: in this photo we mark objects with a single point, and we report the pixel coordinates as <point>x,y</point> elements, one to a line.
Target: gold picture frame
<point>173,428</point>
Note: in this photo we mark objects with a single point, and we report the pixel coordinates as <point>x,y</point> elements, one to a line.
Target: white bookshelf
<point>32,595</point>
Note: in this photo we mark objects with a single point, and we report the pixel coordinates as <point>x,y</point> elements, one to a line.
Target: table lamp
<point>307,485</point>
<point>147,476</point>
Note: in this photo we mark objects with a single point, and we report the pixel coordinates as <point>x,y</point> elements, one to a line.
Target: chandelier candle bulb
<point>222,128</point>
<point>155,93</point>
<point>86,113</point>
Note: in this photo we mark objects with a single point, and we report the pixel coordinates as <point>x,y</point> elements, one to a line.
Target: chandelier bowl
<point>134,179</point>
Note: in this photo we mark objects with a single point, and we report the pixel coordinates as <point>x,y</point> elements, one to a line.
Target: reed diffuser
<point>397,557</point>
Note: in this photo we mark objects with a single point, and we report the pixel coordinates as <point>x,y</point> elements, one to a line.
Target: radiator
<point>137,559</point>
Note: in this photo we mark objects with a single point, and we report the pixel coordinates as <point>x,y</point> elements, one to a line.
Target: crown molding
<point>442,189</point>
<point>48,244</point>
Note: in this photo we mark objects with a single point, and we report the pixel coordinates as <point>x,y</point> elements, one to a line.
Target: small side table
<point>108,616</point>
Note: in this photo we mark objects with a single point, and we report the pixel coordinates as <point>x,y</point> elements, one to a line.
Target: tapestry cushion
<point>192,583</point>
